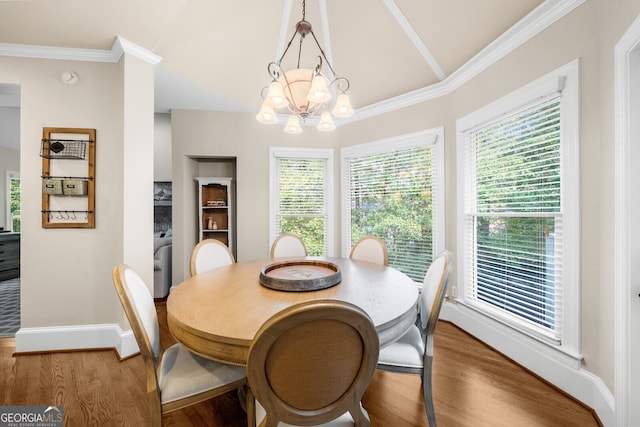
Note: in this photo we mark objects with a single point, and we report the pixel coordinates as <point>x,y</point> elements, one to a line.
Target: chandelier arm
<point>279,61</point>
<point>300,51</point>
<point>322,53</point>
<point>342,84</point>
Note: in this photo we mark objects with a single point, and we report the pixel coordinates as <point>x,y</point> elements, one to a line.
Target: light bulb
<point>276,95</point>
<point>343,107</point>
<point>266,115</point>
<point>326,122</point>
<point>293,125</point>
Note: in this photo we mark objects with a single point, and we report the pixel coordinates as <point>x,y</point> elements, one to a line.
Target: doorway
<point>627,228</point>
<point>9,209</point>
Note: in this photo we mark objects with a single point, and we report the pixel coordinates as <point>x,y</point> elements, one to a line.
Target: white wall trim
<point>622,245</point>
<point>557,369</point>
<point>76,337</point>
<point>118,48</point>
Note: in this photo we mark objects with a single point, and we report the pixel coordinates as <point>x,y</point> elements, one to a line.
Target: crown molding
<point>541,18</point>
<point>63,53</point>
<point>120,46</point>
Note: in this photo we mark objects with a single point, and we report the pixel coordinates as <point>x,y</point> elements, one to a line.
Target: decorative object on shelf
<point>304,91</point>
<point>74,187</point>
<point>74,149</point>
<point>68,177</point>
<point>51,186</point>
<point>216,217</point>
<point>300,275</point>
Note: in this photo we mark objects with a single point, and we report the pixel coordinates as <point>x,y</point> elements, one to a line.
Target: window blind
<point>390,197</point>
<point>301,201</point>
<point>513,215</point>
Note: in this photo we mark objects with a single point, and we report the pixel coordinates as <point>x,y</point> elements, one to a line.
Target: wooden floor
<point>473,386</point>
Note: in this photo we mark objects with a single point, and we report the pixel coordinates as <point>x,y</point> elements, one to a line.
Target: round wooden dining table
<point>217,313</point>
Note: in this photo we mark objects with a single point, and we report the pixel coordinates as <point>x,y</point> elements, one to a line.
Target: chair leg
<point>250,406</point>
<point>428,395</point>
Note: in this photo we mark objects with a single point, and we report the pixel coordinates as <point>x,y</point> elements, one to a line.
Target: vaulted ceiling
<point>215,53</point>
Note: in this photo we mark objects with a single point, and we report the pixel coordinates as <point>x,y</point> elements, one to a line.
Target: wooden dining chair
<point>287,245</point>
<point>176,377</point>
<point>413,352</point>
<point>371,249</point>
<point>310,364</point>
<point>209,254</point>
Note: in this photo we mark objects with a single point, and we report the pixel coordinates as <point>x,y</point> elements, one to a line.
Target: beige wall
<point>162,147</point>
<point>590,33</point>
<point>205,134</point>
<point>66,273</point>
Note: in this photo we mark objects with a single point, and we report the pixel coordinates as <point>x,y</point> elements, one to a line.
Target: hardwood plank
<point>473,386</point>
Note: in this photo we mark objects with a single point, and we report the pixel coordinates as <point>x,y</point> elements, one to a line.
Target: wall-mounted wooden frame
<point>68,177</point>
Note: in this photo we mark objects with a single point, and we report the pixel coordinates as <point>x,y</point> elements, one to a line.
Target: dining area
<point>299,337</point>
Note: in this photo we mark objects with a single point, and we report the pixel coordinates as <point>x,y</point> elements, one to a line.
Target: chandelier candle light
<point>303,91</point>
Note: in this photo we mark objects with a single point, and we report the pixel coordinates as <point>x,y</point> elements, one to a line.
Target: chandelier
<point>304,91</point>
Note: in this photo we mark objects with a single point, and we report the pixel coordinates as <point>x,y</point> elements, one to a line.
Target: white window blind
<point>513,218</point>
<point>301,199</point>
<point>391,196</point>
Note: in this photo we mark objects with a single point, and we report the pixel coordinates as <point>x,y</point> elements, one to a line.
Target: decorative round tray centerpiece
<point>300,275</point>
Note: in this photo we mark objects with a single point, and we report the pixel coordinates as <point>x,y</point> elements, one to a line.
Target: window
<point>393,189</point>
<point>300,197</point>
<point>518,172</point>
<point>13,201</point>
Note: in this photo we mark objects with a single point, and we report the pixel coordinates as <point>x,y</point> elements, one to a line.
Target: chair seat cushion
<point>344,420</point>
<point>406,352</point>
<point>183,374</point>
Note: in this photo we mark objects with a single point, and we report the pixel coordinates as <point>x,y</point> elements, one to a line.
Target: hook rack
<point>68,173</point>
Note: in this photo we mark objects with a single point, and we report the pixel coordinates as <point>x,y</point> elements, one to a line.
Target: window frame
<point>433,137</point>
<point>567,79</point>
<point>276,153</point>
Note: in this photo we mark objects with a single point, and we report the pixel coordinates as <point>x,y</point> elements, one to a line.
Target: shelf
<point>68,177</point>
<point>216,206</point>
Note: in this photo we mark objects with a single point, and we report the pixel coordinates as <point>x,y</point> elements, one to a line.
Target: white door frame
<point>623,286</point>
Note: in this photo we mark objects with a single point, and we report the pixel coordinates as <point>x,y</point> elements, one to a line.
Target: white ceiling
<point>214,53</point>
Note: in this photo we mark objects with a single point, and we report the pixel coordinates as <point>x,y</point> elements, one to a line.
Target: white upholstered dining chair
<point>371,249</point>
<point>413,352</point>
<point>310,364</point>
<point>286,245</point>
<point>176,377</point>
<point>209,254</point>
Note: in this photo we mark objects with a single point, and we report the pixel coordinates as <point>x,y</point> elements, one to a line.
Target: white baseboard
<point>575,381</point>
<point>77,337</point>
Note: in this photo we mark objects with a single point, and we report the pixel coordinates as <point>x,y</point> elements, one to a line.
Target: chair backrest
<point>287,245</point>
<point>209,254</point>
<point>433,290</point>
<point>312,362</point>
<point>372,249</point>
<point>140,310</point>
